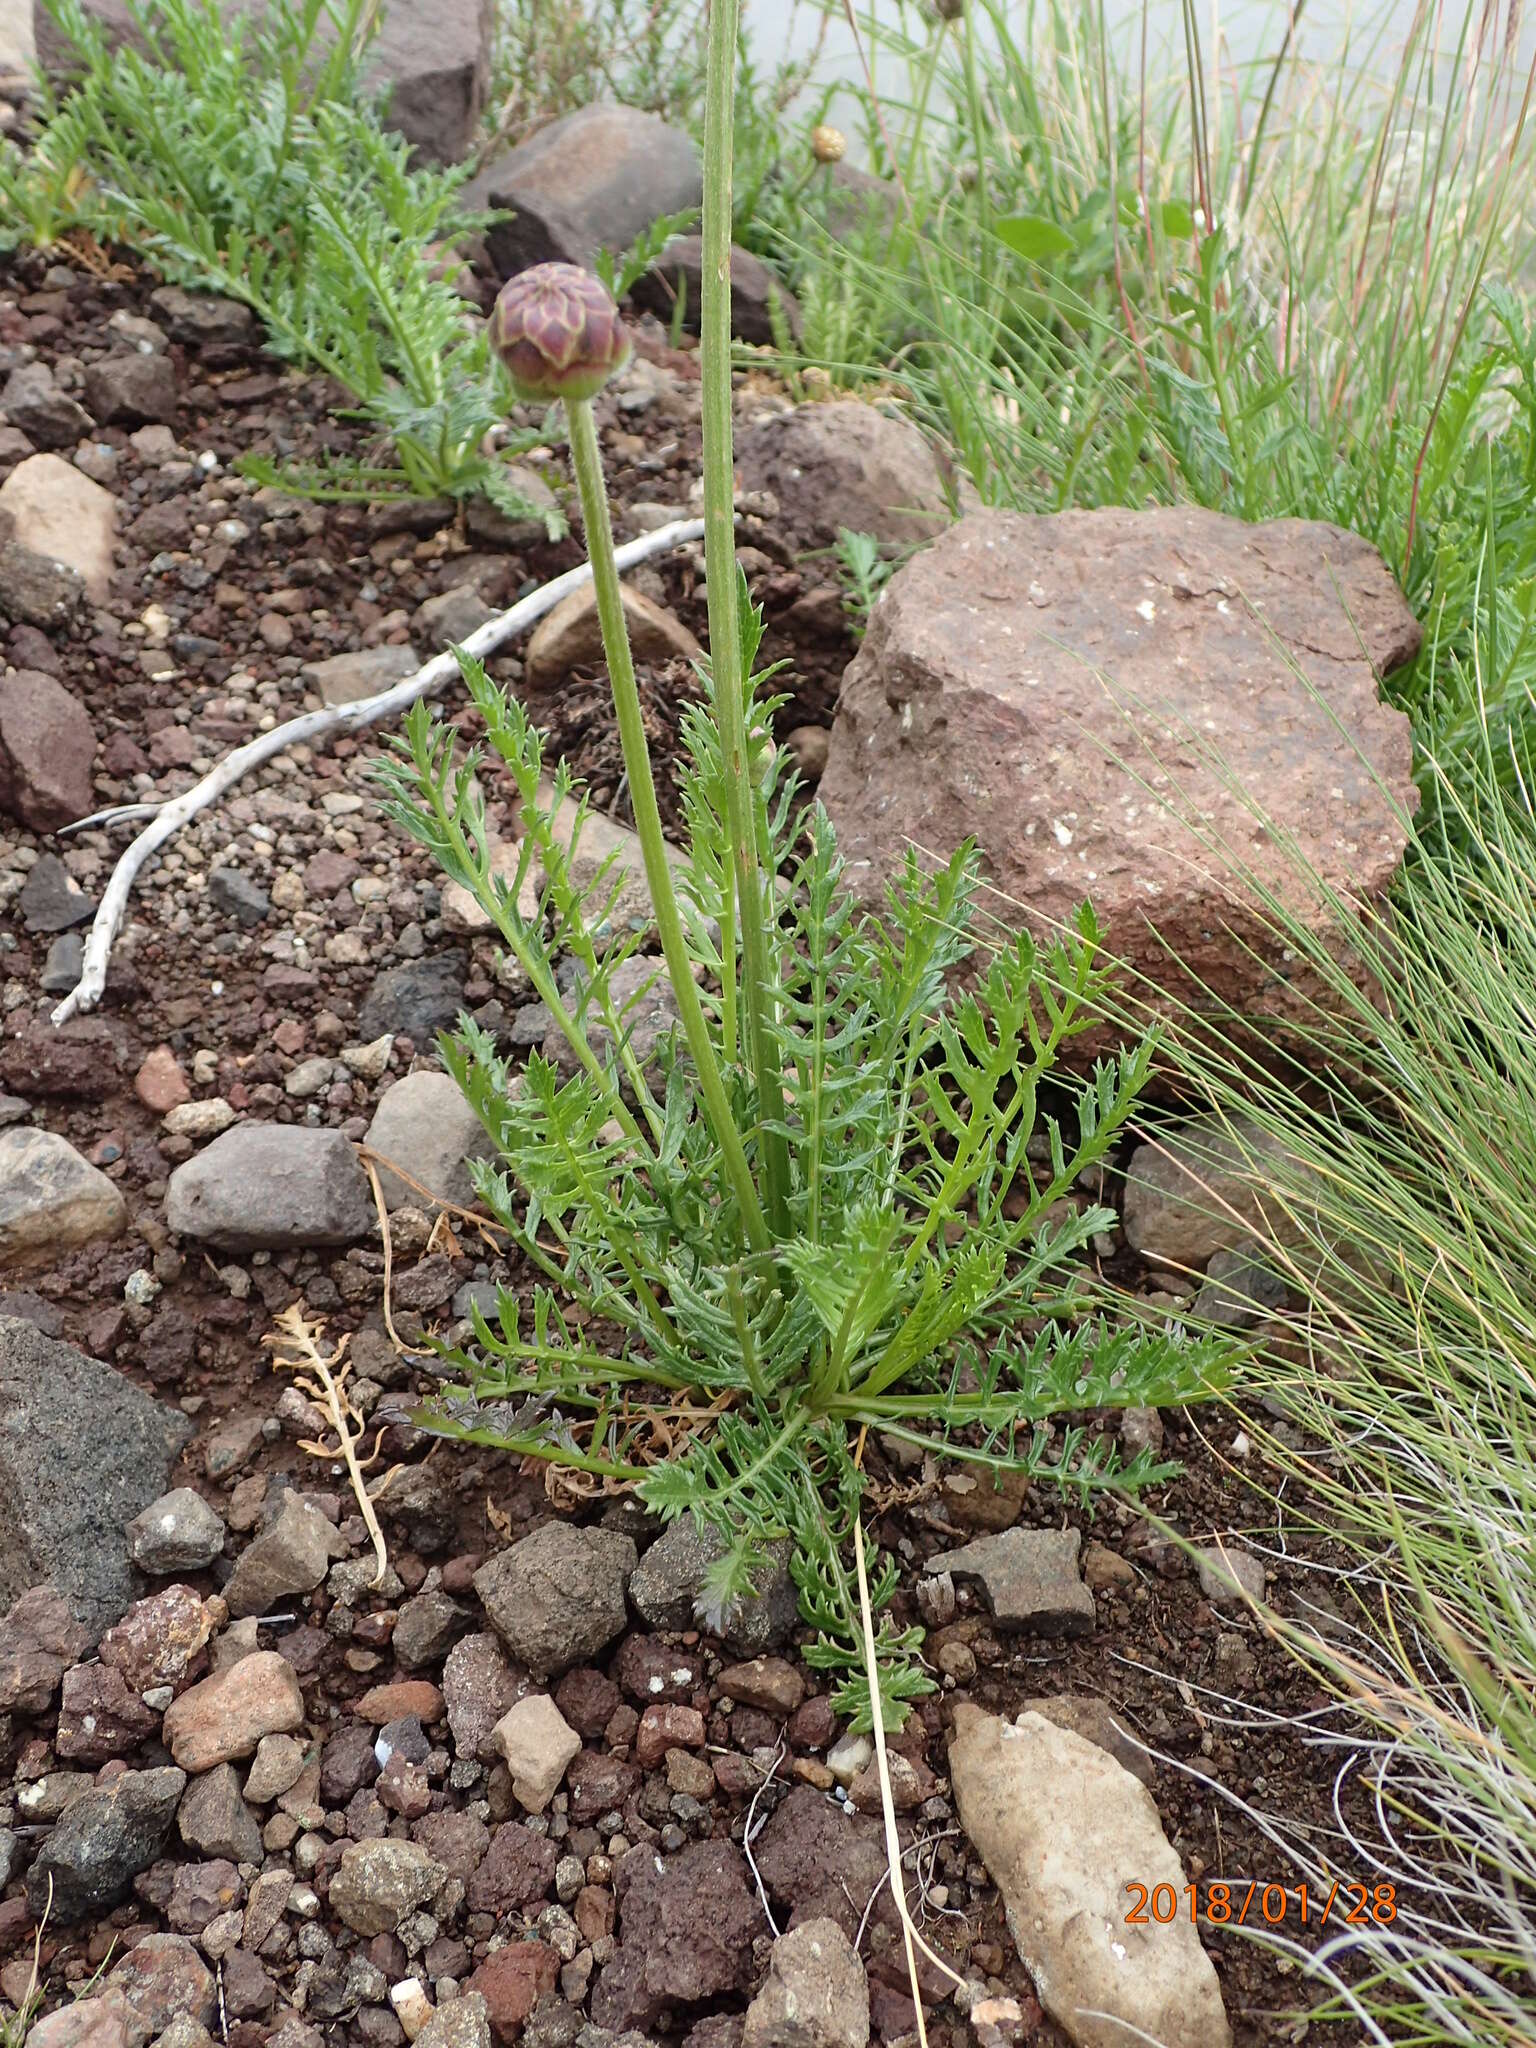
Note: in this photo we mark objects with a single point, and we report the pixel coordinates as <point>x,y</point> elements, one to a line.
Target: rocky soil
<point>507,1790</point>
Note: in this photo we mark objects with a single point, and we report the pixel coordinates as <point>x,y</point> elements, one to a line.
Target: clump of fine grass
<point>1396,1139</point>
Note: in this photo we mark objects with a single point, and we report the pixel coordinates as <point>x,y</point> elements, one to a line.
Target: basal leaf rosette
<point>558,331</point>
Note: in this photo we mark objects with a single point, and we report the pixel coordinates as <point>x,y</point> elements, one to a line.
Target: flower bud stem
<point>588,464</point>
<point>731,686</point>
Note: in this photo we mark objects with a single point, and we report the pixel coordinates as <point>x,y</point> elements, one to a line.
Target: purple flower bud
<point>558,331</point>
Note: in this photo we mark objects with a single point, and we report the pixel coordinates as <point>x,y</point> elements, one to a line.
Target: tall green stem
<point>724,616</point>
<point>588,464</point>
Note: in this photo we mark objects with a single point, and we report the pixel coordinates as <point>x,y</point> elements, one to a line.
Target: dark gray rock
<point>214,1820</point>
<point>132,391</point>
<point>270,1187</point>
<point>430,1623</point>
<point>61,970</point>
<point>48,417</point>
<point>51,899</point>
<point>557,1597</point>
<point>35,590</point>
<point>238,896</point>
<point>102,1842</point>
<point>1241,1289</point>
<point>669,1580</point>
<point>419,998</point>
<point>81,1451</point>
<point>595,179</point>
<point>202,319</point>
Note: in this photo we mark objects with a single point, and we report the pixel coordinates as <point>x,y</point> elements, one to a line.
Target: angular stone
<point>1029,1577</point>
<point>603,842</point>
<point>687,1926</point>
<point>105,2021</point>
<point>36,590</point>
<point>179,1532</point>
<point>81,1450</point>
<point>100,1716</point>
<point>164,1979</point>
<point>448,619</point>
<point>478,1686</point>
<point>277,1768</point>
<point>50,1198</point>
<point>418,998</point>
<point>47,749</point>
<point>102,1842</point>
<point>49,417</point>
<point>271,1187</point>
<point>461,2023</point>
<point>1230,1577</point>
<point>510,1983</point>
<point>156,1640</point>
<point>1242,1289</point>
<point>39,1639</point>
<point>595,179</point>
<point>641,995</point>
<point>290,1557</point>
<point>430,1624</point>
<point>1108,721</point>
<point>538,1744</point>
<point>515,1873</point>
<point>667,1585</point>
<point>214,1819</point>
<point>349,678</point>
<point>424,1123</point>
<point>1058,1823</point>
<point>844,463</point>
<point>56,511</point>
<point>766,1682</point>
<point>570,637</point>
<point>223,1718</point>
<point>557,1597</point>
<point>51,900</point>
<point>1201,1188</point>
<point>202,319</point>
<point>816,1994</point>
<point>378,1883</point>
<point>132,390</point>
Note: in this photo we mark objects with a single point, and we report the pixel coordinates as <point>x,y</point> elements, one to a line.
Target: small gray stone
<point>271,1187</point>
<point>557,1597</point>
<point>36,590</point>
<point>202,318</point>
<point>239,896</point>
<point>48,417</point>
<point>460,2023</point>
<point>50,1198</point>
<point>132,391</point>
<point>1241,1289</point>
<point>418,998</point>
<point>215,1820</point>
<point>1029,1578</point>
<point>290,1556</point>
<point>81,1451</point>
<point>816,1995</point>
<point>425,1125</point>
<point>449,618</point>
<point>276,1768</point>
<point>61,970</point>
<point>1230,1577</point>
<point>429,1625</point>
<point>102,1842</point>
<point>51,900</point>
<point>669,1581</point>
<point>179,1532</point>
<point>348,678</point>
<point>377,1883</point>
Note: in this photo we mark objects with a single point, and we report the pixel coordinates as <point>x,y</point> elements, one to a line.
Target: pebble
<point>378,1883</point>
<point>557,1597</point>
<point>179,1532</point>
<point>538,1745</point>
<point>223,1718</point>
<point>1028,1577</point>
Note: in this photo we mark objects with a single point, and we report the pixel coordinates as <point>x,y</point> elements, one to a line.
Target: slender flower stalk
<point>757,978</point>
<point>559,333</point>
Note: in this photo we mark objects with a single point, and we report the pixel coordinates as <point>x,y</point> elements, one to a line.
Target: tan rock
<point>51,1198</point>
<point>223,1718</point>
<point>602,839</point>
<point>1061,1826</point>
<point>539,1745</point>
<point>1111,703</point>
<point>570,637</point>
<point>57,512</point>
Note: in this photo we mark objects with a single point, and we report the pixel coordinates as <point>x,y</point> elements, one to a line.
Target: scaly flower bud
<point>558,331</point>
<point>828,145</point>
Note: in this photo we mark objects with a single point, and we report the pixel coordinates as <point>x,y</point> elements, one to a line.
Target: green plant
<point>245,156</point>
<point>865,570</point>
<point>815,1214</point>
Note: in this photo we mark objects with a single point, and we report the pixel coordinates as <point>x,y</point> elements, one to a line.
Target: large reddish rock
<point>1107,700</point>
<point>687,1925</point>
<point>47,747</point>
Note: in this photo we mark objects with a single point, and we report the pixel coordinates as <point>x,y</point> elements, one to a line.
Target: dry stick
<point>313,725</point>
<point>909,1934</point>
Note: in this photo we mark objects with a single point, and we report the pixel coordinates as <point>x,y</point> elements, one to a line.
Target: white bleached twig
<point>170,817</point>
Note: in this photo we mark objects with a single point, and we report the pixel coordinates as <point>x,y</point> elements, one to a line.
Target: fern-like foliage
<point>920,1286</point>
<point>244,154</point>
